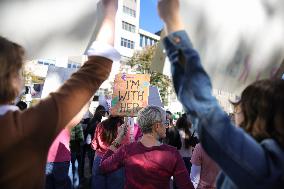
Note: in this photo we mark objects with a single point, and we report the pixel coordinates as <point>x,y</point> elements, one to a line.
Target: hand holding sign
<point>121,132</point>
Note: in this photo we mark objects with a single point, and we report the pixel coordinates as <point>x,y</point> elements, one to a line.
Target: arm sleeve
<point>195,175</point>
<point>230,147</point>
<point>112,161</point>
<point>97,137</point>
<point>181,174</point>
<point>52,114</point>
<point>196,157</point>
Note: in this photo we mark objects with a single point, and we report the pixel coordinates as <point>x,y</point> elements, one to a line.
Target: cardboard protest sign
<point>130,94</point>
<point>239,41</point>
<point>48,29</point>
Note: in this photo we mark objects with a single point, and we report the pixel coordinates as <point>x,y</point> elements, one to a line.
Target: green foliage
<point>141,63</point>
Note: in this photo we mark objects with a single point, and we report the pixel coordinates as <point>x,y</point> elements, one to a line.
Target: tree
<point>141,63</point>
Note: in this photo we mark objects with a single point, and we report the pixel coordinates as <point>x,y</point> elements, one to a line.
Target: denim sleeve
<point>233,150</point>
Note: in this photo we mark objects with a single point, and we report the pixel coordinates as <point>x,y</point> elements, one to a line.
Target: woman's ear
<point>155,127</point>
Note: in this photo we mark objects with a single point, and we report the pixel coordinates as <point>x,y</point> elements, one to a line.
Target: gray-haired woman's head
<point>150,115</point>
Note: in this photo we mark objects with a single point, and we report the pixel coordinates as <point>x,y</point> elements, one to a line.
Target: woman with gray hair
<point>148,163</point>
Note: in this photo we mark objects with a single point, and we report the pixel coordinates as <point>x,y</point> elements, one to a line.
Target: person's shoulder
<point>99,127</point>
<point>130,147</point>
<point>173,129</point>
<point>272,147</point>
<point>198,148</point>
<point>169,148</point>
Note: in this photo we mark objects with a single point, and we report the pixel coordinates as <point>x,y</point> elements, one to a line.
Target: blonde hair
<point>11,62</point>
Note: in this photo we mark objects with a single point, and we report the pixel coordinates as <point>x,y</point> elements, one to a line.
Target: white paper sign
<point>239,41</point>
<point>50,28</point>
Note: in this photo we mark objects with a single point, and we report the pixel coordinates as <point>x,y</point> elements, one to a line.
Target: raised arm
<point>114,158</point>
<point>230,147</point>
<point>60,108</point>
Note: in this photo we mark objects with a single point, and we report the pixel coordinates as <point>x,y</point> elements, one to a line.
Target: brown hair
<point>184,124</point>
<point>11,62</point>
<point>110,126</point>
<point>262,104</point>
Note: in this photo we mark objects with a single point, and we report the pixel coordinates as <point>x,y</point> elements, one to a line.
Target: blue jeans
<point>57,175</point>
<point>114,180</point>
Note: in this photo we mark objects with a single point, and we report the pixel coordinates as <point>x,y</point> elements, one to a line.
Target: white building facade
<point>129,37</point>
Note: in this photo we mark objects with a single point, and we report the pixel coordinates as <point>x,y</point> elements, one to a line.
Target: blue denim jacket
<point>244,162</point>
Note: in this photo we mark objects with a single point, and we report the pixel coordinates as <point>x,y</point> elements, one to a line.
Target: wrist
<point>174,25</point>
<point>112,148</point>
<point>118,139</point>
<point>110,15</point>
<point>115,143</point>
<point>106,32</point>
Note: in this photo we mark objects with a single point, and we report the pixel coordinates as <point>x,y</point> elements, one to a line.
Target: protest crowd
<point>51,146</point>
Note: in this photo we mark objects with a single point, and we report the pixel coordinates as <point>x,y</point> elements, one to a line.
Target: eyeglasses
<point>164,123</point>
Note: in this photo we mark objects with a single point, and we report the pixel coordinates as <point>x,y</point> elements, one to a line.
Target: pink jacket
<point>101,146</point>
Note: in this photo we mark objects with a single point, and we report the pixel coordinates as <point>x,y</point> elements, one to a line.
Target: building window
<point>151,42</point>
<point>73,65</point>
<point>141,40</point>
<point>128,27</point>
<point>127,43</point>
<point>146,41</point>
<point>129,11</point>
<point>46,62</point>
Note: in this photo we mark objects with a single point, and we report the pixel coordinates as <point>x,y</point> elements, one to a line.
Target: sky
<point>149,19</point>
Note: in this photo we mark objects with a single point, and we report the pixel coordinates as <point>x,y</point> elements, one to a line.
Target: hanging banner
<point>130,94</point>
<point>239,41</point>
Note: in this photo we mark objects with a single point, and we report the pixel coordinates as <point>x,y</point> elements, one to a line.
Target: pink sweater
<point>149,168</point>
<point>137,132</point>
<point>59,151</point>
<point>101,146</point>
